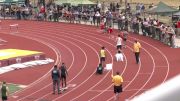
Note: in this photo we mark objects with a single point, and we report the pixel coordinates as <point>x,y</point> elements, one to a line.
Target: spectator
<point>98,18</point>
<point>4,92</point>
<point>117,5</point>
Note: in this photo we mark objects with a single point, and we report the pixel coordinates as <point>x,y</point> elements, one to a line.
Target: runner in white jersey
<point>119,56</point>
<point>119,42</point>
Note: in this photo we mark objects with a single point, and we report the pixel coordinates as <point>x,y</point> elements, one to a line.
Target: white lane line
<point>81,69</point>
<point>155,67</point>
<point>45,75</point>
<point>68,68</point>
<point>87,78</point>
<point>128,90</point>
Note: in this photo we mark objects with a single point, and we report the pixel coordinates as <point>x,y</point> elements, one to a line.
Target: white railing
<point>168,91</point>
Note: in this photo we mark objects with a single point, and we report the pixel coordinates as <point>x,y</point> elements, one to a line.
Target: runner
<point>137,47</point>
<point>119,56</point>
<point>64,73</point>
<point>102,56</point>
<point>117,80</point>
<point>119,42</point>
<point>4,92</point>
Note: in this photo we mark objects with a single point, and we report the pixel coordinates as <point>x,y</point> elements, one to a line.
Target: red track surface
<point>78,46</point>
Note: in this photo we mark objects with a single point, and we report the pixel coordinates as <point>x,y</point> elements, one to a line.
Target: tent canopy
<point>60,2</point>
<point>162,8</point>
<point>82,2</point>
<point>12,1</point>
<point>74,2</point>
<point>177,14</point>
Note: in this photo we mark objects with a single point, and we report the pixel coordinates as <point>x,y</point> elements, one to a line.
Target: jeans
<point>56,83</point>
<point>137,57</point>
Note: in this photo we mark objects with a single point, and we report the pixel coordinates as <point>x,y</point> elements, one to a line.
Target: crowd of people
<point>95,15</point>
<point>155,29</point>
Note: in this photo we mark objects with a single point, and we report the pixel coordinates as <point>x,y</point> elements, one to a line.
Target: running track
<point>78,46</point>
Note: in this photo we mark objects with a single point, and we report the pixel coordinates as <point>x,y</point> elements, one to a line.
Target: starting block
<point>15,26</point>
<point>108,67</point>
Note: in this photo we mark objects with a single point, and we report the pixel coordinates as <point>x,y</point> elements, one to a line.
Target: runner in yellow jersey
<point>102,55</point>
<point>117,80</point>
<point>137,47</point>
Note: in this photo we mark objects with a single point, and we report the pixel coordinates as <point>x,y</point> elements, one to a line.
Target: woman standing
<point>4,92</point>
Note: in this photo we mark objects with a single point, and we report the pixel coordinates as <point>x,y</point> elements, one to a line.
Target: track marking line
<point>15,97</point>
<point>96,84</point>
<point>47,94</point>
<point>155,67</point>
<point>76,75</point>
<point>2,40</point>
<point>51,83</point>
<point>58,58</point>
<point>161,66</point>
<point>22,86</point>
<point>90,75</point>
<point>128,90</point>
<point>144,73</point>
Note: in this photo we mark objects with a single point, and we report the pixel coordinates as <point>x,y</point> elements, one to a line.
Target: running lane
<point>154,68</point>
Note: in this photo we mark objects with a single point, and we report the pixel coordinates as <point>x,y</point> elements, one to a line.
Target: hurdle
<point>15,26</point>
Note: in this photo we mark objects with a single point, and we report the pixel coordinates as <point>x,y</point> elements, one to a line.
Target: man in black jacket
<point>56,79</point>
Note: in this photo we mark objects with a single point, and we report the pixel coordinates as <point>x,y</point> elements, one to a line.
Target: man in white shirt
<point>98,18</point>
<point>119,42</point>
<point>99,5</point>
<point>119,56</point>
